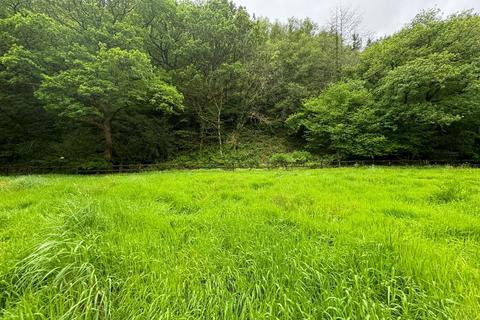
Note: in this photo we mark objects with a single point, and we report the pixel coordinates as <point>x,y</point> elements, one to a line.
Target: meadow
<point>358,243</point>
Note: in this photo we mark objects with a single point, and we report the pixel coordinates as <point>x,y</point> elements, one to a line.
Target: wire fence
<point>132,168</point>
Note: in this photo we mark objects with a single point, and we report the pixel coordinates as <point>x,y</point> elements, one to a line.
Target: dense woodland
<point>146,81</point>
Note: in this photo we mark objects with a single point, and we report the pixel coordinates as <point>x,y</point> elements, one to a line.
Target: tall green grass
<point>330,244</point>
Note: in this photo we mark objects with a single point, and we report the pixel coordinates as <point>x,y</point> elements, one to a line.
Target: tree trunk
<point>202,134</point>
<point>107,132</point>
<point>219,130</point>
<point>337,56</point>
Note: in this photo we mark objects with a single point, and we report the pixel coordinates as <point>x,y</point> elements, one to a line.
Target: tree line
<point>143,81</point>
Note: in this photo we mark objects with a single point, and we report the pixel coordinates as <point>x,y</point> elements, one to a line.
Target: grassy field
<point>366,243</point>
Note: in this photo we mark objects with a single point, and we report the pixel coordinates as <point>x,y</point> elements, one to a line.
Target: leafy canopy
<point>110,81</point>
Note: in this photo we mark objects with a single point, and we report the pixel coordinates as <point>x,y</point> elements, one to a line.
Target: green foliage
<point>422,79</point>
<point>303,59</point>
<point>111,23</point>
<point>281,159</point>
<point>290,159</point>
<point>342,121</point>
<point>82,80</point>
<point>417,97</point>
<point>301,157</point>
<point>246,149</point>
<point>30,45</point>
<point>113,80</point>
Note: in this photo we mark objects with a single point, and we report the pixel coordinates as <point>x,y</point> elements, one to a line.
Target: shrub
<point>301,157</point>
<point>289,159</point>
<point>281,159</point>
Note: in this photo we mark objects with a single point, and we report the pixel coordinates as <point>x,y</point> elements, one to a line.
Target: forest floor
<point>364,243</point>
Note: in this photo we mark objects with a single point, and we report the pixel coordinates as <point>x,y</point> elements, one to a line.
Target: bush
<point>281,159</point>
<point>290,159</point>
<point>301,157</point>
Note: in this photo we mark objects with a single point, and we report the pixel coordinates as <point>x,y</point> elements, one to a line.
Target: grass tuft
<point>63,277</point>
<point>449,192</point>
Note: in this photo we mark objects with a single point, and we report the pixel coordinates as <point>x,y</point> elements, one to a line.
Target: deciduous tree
<point>113,80</point>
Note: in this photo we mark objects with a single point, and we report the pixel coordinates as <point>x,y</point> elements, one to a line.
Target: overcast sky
<point>380,17</point>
